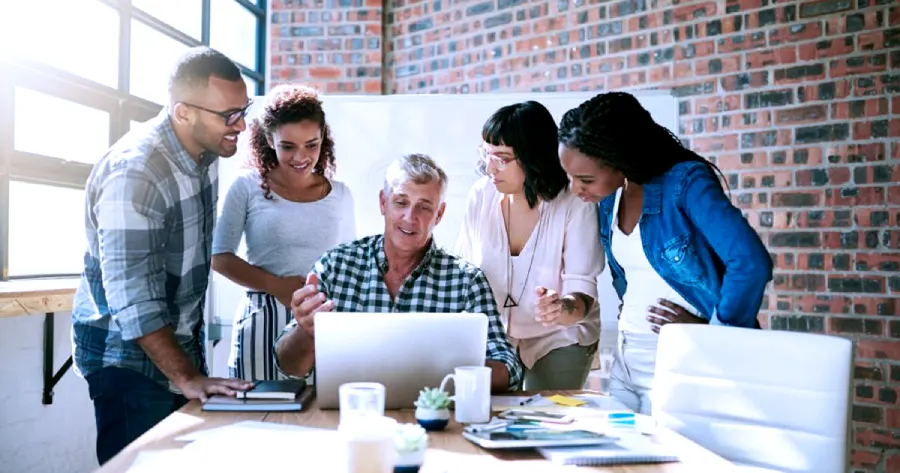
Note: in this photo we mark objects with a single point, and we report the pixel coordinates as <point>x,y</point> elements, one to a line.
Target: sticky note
<point>566,401</point>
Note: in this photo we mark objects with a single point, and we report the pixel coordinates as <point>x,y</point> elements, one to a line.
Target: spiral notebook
<point>629,449</point>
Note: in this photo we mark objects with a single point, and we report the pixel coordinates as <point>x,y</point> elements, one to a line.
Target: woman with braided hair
<point>289,212</point>
<point>678,250</point>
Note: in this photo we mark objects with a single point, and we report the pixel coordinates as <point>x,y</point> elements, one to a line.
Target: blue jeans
<point>127,404</point>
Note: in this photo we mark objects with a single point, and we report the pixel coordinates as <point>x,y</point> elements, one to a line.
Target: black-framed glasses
<point>231,117</point>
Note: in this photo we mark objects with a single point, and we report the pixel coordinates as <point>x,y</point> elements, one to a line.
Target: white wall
<point>35,438</point>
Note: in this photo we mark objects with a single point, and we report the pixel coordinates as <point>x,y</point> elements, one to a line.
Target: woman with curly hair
<point>531,237</point>
<point>678,250</point>
<point>289,212</point>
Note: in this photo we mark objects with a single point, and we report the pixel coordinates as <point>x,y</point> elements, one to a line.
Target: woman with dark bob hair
<point>289,212</point>
<point>533,240</point>
<point>672,237</point>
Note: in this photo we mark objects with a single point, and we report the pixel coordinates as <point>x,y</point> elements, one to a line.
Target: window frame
<point>121,106</point>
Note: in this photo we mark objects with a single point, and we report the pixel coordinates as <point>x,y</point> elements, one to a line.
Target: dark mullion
<point>205,8</point>
<point>37,168</point>
<point>164,27</point>
<point>253,8</point>
<point>125,47</point>
<point>260,48</point>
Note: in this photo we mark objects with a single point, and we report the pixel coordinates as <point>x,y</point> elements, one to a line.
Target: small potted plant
<point>411,442</point>
<point>432,411</point>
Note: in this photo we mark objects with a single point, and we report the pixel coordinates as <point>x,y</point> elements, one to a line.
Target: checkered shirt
<point>150,210</point>
<point>351,275</point>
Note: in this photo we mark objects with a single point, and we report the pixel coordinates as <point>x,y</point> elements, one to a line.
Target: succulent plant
<point>410,438</point>
<point>433,398</point>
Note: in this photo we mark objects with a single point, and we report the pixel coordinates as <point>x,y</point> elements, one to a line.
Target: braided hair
<point>288,104</point>
<point>616,131</point>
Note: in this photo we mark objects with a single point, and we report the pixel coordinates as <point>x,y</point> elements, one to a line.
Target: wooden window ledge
<point>36,296</point>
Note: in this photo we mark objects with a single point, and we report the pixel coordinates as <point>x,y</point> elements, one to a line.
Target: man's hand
<point>283,288</point>
<point>671,313</point>
<point>201,387</point>
<point>552,309</point>
<point>307,301</point>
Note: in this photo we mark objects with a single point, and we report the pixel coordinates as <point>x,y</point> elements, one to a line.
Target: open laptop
<point>403,351</point>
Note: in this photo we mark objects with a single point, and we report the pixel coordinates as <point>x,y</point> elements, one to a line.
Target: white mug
<point>472,398</point>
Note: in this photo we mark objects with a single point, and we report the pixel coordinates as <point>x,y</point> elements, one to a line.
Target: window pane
<point>47,31</point>
<point>251,86</point>
<point>53,243</point>
<point>59,128</point>
<point>153,55</point>
<point>185,15</point>
<point>232,31</point>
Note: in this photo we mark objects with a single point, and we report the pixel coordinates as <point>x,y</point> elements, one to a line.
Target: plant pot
<point>432,419</point>
<point>409,462</point>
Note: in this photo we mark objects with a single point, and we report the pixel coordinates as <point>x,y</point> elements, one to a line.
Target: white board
<point>371,131</point>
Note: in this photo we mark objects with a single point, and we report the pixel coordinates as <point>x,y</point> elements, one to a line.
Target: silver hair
<point>416,167</point>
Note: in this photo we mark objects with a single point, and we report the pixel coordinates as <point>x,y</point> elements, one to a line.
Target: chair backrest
<point>763,398</point>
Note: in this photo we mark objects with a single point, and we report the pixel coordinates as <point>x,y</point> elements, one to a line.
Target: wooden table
<point>448,450</point>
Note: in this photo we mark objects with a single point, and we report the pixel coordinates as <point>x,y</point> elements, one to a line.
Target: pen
<point>530,399</point>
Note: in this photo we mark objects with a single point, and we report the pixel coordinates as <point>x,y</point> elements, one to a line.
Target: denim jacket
<point>699,243</point>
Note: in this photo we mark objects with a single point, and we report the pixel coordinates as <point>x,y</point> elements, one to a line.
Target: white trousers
<point>633,370</point>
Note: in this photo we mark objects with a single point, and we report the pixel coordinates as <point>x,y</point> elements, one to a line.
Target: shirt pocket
<point>682,260</point>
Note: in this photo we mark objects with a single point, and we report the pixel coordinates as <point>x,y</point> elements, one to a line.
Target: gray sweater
<point>282,237</point>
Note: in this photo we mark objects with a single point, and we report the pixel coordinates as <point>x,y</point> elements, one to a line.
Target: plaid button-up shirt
<point>351,275</point>
<point>150,210</point>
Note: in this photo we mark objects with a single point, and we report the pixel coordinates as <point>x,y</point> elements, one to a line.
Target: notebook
<point>274,389</point>
<point>228,403</point>
<point>629,449</point>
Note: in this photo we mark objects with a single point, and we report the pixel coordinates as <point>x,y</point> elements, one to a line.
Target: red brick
<point>892,461</point>
<point>630,79</point>
<point>882,350</point>
<point>856,153</point>
<point>815,8</point>
<point>688,13</point>
<point>852,196</point>
<point>858,65</point>
<point>860,108</point>
<point>892,418</point>
<point>826,48</point>
<point>744,160</point>
<point>696,50</point>
<point>864,458</point>
<point>875,217</point>
<point>719,65</point>
<point>894,16</point>
<point>806,114</point>
<point>715,103</point>
<point>715,143</point>
<point>795,32</point>
<point>771,57</point>
<point>746,42</point>
<point>840,90</point>
<point>867,305</point>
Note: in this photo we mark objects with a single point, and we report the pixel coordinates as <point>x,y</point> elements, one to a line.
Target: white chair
<point>767,400</point>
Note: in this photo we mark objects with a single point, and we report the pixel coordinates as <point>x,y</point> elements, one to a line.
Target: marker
<point>530,400</point>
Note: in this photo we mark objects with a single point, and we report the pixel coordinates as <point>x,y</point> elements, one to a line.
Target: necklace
<point>510,302</point>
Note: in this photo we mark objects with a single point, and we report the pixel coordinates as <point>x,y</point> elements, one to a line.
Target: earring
<point>625,187</point>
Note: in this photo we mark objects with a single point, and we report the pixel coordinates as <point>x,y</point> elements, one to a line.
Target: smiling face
<point>209,130</point>
<point>411,211</point>
<point>591,181</point>
<point>297,146</point>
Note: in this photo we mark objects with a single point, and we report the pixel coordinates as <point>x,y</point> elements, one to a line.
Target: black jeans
<point>127,404</point>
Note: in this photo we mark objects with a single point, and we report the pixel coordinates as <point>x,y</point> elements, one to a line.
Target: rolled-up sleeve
<point>131,214</point>
<point>583,257</point>
<point>481,300</point>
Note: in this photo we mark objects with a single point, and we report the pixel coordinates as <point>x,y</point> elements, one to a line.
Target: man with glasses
<point>138,330</point>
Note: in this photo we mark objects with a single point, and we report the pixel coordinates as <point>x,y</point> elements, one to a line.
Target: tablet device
<point>531,438</point>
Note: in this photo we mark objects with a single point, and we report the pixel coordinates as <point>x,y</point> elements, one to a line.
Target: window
<point>72,83</point>
<point>232,31</point>
<point>183,15</point>
<point>58,128</point>
<point>86,48</point>
<point>46,230</point>
<point>152,57</point>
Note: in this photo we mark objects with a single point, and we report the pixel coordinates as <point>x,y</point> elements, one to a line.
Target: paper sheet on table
<point>244,427</point>
<point>593,402</point>
<point>509,402</point>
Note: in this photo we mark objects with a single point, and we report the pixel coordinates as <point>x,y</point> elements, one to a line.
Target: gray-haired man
<point>412,203</point>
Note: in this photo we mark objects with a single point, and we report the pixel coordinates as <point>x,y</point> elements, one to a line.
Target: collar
<point>382,262</point>
<point>172,147</point>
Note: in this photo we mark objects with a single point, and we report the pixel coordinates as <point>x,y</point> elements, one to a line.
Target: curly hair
<point>288,104</point>
<point>616,131</point>
<point>530,130</point>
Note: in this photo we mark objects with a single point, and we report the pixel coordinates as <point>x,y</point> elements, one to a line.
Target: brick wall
<point>797,101</point>
<point>335,45</point>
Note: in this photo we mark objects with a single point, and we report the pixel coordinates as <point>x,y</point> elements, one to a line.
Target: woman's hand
<point>551,309</point>
<point>671,313</point>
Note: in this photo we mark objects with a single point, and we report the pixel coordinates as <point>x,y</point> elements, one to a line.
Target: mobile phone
<point>539,416</point>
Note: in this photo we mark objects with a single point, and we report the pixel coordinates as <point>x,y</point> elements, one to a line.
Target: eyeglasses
<point>487,156</point>
<point>231,117</point>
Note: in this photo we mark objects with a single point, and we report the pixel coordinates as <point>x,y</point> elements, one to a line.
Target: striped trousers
<point>257,326</point>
